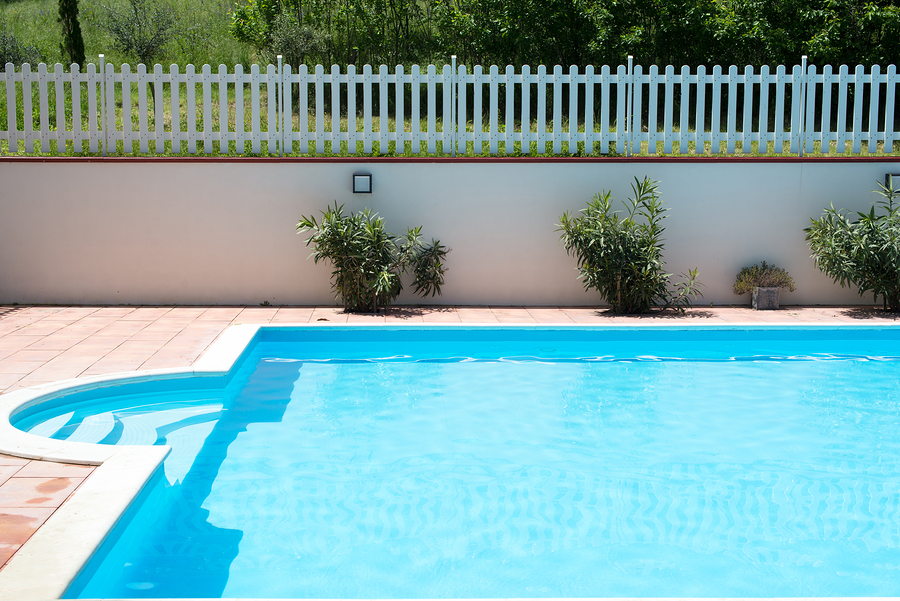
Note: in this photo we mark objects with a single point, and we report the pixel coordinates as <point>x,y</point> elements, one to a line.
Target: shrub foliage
<point>369,262</point>
<point>762,276</point>
<point>620,256</point>
<point>864,252</point>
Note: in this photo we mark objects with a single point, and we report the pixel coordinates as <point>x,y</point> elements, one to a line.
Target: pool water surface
<point>497,462</point>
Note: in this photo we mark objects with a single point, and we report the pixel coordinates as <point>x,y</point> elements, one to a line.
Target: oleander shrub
<point>861,251</point>
<point>369,262</point>
<point>620,254</point>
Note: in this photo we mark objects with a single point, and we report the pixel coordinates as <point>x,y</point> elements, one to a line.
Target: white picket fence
<point>591,111</point>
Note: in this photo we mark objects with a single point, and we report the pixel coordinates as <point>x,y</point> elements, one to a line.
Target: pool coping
<point>73,533</point>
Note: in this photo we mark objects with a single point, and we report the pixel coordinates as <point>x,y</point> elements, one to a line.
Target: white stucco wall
<point>211,232</point>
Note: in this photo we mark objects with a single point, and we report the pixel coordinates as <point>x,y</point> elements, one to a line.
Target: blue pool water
<point>416,463</point>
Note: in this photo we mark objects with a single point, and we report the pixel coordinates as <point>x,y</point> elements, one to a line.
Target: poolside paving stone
<point>18,524</point>
<point>36,492</point>
<point>47,344</point>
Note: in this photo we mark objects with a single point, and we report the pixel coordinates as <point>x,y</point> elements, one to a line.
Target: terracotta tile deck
<point>44,344</point>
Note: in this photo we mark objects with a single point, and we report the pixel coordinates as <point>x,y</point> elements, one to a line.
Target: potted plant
<point>764,282</point>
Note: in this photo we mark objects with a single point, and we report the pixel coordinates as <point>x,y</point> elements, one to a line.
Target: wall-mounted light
<point>362,183</point>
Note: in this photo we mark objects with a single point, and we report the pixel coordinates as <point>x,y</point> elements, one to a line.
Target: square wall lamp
<point>362,183</point>
<point>889,177</point>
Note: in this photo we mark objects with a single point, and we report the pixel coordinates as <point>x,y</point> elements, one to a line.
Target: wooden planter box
<point>763,299</point>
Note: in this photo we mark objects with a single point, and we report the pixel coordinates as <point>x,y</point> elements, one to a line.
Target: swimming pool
<point>498,462</point>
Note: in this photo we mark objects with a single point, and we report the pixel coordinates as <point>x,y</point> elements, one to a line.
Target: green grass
<point>203,26</point>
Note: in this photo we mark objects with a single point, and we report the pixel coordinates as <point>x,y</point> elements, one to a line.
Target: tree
<point>273,28</point>
<point>72,45</point>
<point>142,30</point>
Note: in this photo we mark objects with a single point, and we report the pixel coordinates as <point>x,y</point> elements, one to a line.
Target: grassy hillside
<point>203,35</point>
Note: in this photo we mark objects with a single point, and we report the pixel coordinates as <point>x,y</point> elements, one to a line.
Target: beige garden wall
<point>199,231</point>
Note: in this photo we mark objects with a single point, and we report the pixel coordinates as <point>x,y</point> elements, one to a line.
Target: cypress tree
<point>72,44</point>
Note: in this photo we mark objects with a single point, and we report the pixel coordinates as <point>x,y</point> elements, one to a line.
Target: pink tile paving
<point>30,491</point>
<point>46,344</point>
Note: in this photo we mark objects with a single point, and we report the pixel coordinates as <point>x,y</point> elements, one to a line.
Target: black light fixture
<point>362,183</point>
<point>888,178</point>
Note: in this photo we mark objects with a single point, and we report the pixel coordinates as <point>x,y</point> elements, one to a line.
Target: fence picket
<point>174,100</point>
<point>652,105</point>
<point>557,109</point>
<point>27,113</point>
<point>874,89</point>
<point>431,90</point>
<point>637,136</point>
<point>141,79</point>
<point>796,107</point>
<point>889,134</point>
<point>92,82</point>
<point>509,93</point>
<point>367,109</point>
<point>302,136</point>
<point>542,109</point>
<point>272,128</point>
<point>493,110</point>
<point>399,113</point>
<point>621,119</point>
<point>731,127</point>
<point>190,92</point>
<point>335,109</point>
<point>604,109</point>
<point>383,129</point>
<point>684,127</point>
<point>857,108</point>
<point>44,110</point>
<point>779,109</point>
<point>12,136</point>
<point>809,135</point>
<point>526,110</point>
<point>109,99</point>
<point>825,124</point>
<point>715,129</point>
<point>77,131</point>
<point>287,117</point>
<point>351,109</point>
<point>747,127</point>
<point>765,79</point>
<point>59,80</point>
<point>667,112</point>
<point>415,108</point>
<point>477,109</point>
<point>223,109</point>
<point>589,110</point>
<point>843,84</point>
<point>700,117</point>
<point>573,110</point>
